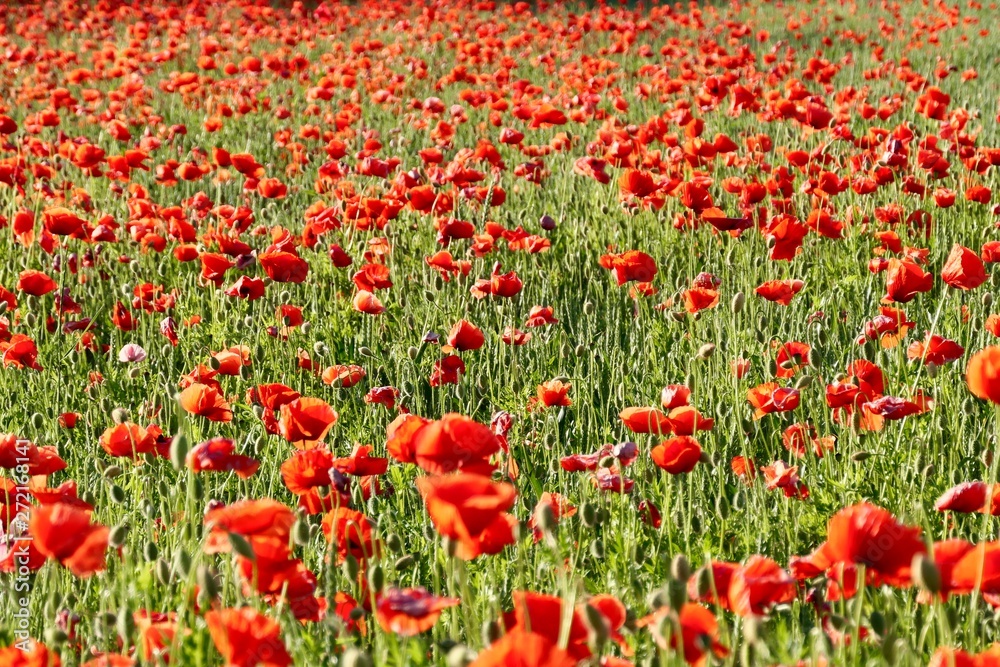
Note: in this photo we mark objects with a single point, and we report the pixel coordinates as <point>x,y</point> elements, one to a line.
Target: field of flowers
<point>499,334</point>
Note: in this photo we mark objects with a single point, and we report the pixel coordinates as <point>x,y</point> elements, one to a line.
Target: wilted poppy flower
<point>206,401</point>
<point>305,421</point>
<point>410,611</point>
<point>677,455</point>
<point>247,638</point>
<point>471,510</point>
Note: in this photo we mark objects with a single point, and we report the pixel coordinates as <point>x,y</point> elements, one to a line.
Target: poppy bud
<point>163,572</point>
<point>112,471</point>
<point>929,469</point>
<point>150,551</point>
<point>680,568</point>
<point>987,299</point>
<point>679,316</point>
<point>588,307</point>
<point>179,447</point>
<point>589,514</point>
<point>207,582</point>
<point>351,567</point>
<point>458,656</point>
<point>119,415</point>
<point>393,542</point>
<point>597,548</point>
<point>404,562</point>
<point>365,351</point>
<point>677,593</point>
<point>877,623</point>
<point>607,461</point>
<point>3,307</point>
<point>814,358</point>
<point>546,518</point>
<point>214,363</point>
<point>752,627</point>
<point>356,614</point>
<point>117,494</point>
<point>491,632</point>
<point>117,536</point>
<point>722,507</point>
<point>54,636</point>
<point>706,351</point>
<point>241,546</point>
<point>804,382</point>
<point>300,533</point>
<point>182,562</point>
<point>925,573</point>
<point>599,632</point>
<point>772,367</point>
<point>703,582</point>
<point>738,302</point>
<point>376,578</point>
<point>547,223</point>
<point>196,488</point>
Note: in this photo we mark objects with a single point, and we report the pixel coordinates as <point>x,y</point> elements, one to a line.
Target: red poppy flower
<point>247,638</point>
<point>677,455</point>
<point>219,455</point>
<point>206,401</point>
<point>983,374</point>
<point>963,269</point>
<point>65,533</point>
<point>629,266</point>
<point>305,421</point>
<point>410,611</point>
<point>471,510</point>
<point>352,533</point>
